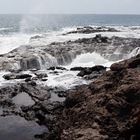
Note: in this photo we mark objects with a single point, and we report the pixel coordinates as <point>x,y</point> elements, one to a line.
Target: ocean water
<point>16,30</point>
<point>44,23</point>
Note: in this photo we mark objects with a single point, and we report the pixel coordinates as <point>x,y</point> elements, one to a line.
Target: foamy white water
<point>2,80</point>
<point>69,79</point>
<point>89,60</point>
<point>126,32</point>
<point>10,82</point>
<point>134,52</point>
<point>10,42</point>
<point>66,79</point>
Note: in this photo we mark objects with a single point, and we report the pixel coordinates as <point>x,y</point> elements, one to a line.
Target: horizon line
<point>68,14</point>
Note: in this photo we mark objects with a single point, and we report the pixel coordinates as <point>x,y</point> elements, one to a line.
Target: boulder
<point>16,76</point>
<point>51,68</point>
<point>41,75</point>
<point>60,68</point>
<point>77,68</point>
<point>92,71</point>
<point>23,76</point>
<point>32,62</point>
<point>36,37</point>
<point>117,67</point>
<point>132,63</point>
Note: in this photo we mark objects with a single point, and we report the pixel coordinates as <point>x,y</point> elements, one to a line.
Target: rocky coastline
<point>63,53</point>
<point>107,108</point>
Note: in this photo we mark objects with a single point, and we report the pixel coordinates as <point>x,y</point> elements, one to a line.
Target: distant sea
<point>16,30</point>
<point>43,23</point>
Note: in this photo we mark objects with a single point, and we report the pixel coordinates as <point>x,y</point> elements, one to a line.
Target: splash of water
<point>88,60</point>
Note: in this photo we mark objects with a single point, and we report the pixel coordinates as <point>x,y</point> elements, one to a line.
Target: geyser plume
<point>30,21</point>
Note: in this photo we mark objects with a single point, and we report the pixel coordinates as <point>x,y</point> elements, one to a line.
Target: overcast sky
<point>71,6</point>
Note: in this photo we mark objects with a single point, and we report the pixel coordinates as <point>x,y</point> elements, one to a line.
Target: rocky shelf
<point>55,54</point>
<point>106,109</point>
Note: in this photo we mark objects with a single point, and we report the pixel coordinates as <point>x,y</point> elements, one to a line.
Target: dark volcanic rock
<point>97,39</point>
<point>22,100</point>
<point>51,68</point>
<point>77,68</point>
<point>89,30</point>
<point>90,72</point>
<point>9,76</point>
<point>36,37</point>
<point>33,90</point>
<point>107,109</point>
<point>44,79</point>
<point>58,67</point>
<point>28,79</point>
<point>133,63</point>
<point>41,75</point>
<point>23,76</point>
<point>30,63</point>
<point>93,75</point>
<point>16,76</point>
<point>63,53</point>
<point>61,68</point>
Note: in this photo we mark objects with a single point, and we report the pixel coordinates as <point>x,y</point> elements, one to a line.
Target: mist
<point>70,7</point>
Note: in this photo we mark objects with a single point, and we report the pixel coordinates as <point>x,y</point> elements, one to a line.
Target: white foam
<point>89,60</point>
<point>66,79</point>
<point>4,82</point>
<point>69,79</point>
<point>57,36</point>
<point>8,43</point>
<point>5,29</point>
<point>134,52</point>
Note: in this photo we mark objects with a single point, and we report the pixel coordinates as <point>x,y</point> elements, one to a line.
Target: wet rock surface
<point>89,30</point>
<point>16,76</point>
<point>26,108</point>
<point>89,72</point>
<point>55,54</point>
<point>106,109</point>
<point>16,127</point>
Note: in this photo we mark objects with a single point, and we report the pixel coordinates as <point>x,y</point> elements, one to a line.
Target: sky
<point>70,6</point>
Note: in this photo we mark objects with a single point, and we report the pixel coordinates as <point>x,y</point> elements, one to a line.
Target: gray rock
<point>41,75</point>
<point>16,76</point>
<point>55,54</point>
<point>30,63</point>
